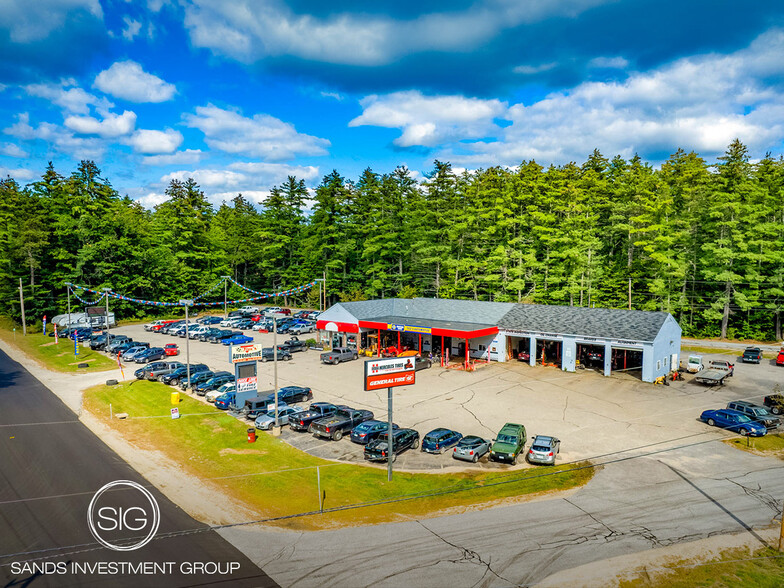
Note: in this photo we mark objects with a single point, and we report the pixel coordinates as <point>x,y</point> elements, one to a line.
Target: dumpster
<point>251,435</point>
<point>175,397</point>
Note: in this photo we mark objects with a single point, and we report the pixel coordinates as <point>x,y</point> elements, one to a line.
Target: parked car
<point>402,439</point>
<point>131,353</point>
<point>171,349</point>
<point>471,448</point>
<point>115,342</point>
<point>293,345</point>
<point>271,310</point>
<point>524,356</point>
<point>120,348</point>
<point>780,357</point>
<point>212,395</point>
<point>174,378</point>
<point>335,426</point>
<point>775,402</point>
<point>752,355</point>
<point>509,443</point>
<point>211,332</point>
<point>264,326</point>
<point>365,432</point>
<point>258,405</point>
<point>757,413</point>
<point>720,364</point>
<point>266,421</point>
<point>216,381</point>
<point>301,329</point>
<point>733,420</point>
<point>291,394</point>
<point>316,411</point>
<point>245,324</point>
<point>422,363</point>
<point>224,334</point>
<point>237,340</point>
<point>543,450</point>
<point>152,354</point>
<point>197,331</point>
<point>157,370</point>
<point>249,309</point>
<point>694,364</point>
<point>196,378</point>
<point>282,354</point>
<point>439,440</point>
<point>225,400</point>
<point>339,354</point>
<point>169,325</point>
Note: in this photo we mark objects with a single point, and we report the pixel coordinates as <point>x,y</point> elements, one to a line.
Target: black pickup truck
<point>335,426</point>
<point>317,410</point>
<point>293,345</point>
<point>752,355</point>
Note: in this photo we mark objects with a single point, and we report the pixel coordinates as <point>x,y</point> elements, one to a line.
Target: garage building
<point>461,332</point>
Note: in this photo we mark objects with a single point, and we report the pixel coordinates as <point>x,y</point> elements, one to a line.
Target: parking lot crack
<point>468,556</point>
<point>472,413</point>
<point>611,532</point>
<point>759,494</point>
<point>566,405</point>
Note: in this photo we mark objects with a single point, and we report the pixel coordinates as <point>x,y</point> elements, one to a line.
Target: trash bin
<point>251,435</point>
<point>175,397</point>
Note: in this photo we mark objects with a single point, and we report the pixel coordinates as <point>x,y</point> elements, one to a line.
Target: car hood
<point>504,448</point>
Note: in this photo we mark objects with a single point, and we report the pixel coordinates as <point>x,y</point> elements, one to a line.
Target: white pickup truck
<point>694,364</point>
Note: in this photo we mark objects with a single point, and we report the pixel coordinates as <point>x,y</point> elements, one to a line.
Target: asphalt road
<point>650,501</point>
<point>51,465</point>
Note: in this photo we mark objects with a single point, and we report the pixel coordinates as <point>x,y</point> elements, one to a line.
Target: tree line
<point>703,241</point>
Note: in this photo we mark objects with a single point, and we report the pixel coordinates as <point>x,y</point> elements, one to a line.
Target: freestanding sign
<point>246,378</point>
<point>239,353</point>
<point>389,372</point>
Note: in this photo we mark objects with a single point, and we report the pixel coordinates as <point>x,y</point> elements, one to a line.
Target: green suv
<point>509,443</point>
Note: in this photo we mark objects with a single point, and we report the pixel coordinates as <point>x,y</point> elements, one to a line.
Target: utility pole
<point>68,291</point>
<point>781,533</point>
<point>225,284</point>
<point>21,305</point>
<point>325,290</point>
<point>630,293</point>
<point>187,303</point>
<point>275,368</point>
<point>106,294</point>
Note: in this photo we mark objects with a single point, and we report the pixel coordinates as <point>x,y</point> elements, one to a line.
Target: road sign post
<point>186,303</point>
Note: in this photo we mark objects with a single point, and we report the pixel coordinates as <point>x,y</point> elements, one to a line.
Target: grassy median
<point>277,480</point>
<point>735,568</point>
<point>56,357</point>
<point>771,444</point>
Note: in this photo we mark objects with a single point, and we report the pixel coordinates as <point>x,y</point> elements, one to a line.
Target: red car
<point>171,349</point>
<point>780,358</point>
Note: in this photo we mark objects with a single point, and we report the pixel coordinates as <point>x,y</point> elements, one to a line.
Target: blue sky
<point>240,94</point>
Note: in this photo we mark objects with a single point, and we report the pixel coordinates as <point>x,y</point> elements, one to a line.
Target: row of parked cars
<point>747,418</point>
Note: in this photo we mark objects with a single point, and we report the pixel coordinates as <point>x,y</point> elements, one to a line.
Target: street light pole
<point>187,303</point>
<point>106,294</point>
<point>275,366</point>
<point>390,436</point>
<point>225,283</point>
<point>21,306</point>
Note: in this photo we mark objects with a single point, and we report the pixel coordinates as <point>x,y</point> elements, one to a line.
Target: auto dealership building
<point>462,333</point>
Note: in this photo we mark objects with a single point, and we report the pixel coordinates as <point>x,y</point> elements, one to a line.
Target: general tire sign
<point>389,372</point>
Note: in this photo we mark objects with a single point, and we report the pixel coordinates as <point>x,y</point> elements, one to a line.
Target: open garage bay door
<point>628,360</point>
<point>549,352</point>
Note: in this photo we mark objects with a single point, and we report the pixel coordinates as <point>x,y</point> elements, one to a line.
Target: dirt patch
<point>83,361</point>
<point>47,344</point>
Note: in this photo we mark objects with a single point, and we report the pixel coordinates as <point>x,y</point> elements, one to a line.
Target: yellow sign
<point>409,329</point>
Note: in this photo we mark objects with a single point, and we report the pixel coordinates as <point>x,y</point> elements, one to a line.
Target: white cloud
<point>609,62</point>
<point>261,136</point>
<point>337,96</point>
<point>253,179</point>
<point>112,125</point>
<point>248,30</point>
<point>700,103</point>
<point>131,28</point>
<point>431,120</point>
<point>529,70</point>
<point>19,174</point>
<point>127,80</point>
<point>189,156</point>
<point>13,150</point>
<point>68,96</point>
<point>29,21</point>
<point>152,199</point>
<point>57,138</point>
<point>152,142</point>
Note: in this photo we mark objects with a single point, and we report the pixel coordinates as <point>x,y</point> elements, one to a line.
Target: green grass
<point>60,357</point>
<point>733,569</point>
<point>771,444</point>
<point>213,445</point>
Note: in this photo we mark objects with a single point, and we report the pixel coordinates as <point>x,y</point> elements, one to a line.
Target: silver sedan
<point>543,450</point>
<point>471,448</point>
<point>266,421</point>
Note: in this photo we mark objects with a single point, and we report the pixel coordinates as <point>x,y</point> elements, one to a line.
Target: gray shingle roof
<point>612,323</point>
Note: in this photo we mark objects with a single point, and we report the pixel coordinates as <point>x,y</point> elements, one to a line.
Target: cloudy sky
<point>240,94</point>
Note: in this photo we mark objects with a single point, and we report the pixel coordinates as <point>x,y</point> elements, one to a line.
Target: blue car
<point>734,421</point>
<point>152,354</point>
<point>365,432</point>
<point>237,340</point>
<point>439,440</point>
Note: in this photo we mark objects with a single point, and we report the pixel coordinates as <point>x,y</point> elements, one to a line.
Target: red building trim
<point>435,331</point>
<point>342,327</point>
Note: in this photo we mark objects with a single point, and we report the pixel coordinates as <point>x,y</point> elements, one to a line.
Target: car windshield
<point>742,418</point>
<point>511,439</point>
<point>760,412</point>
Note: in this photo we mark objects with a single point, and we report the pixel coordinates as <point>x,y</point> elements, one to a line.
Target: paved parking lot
<point>591,414</point>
